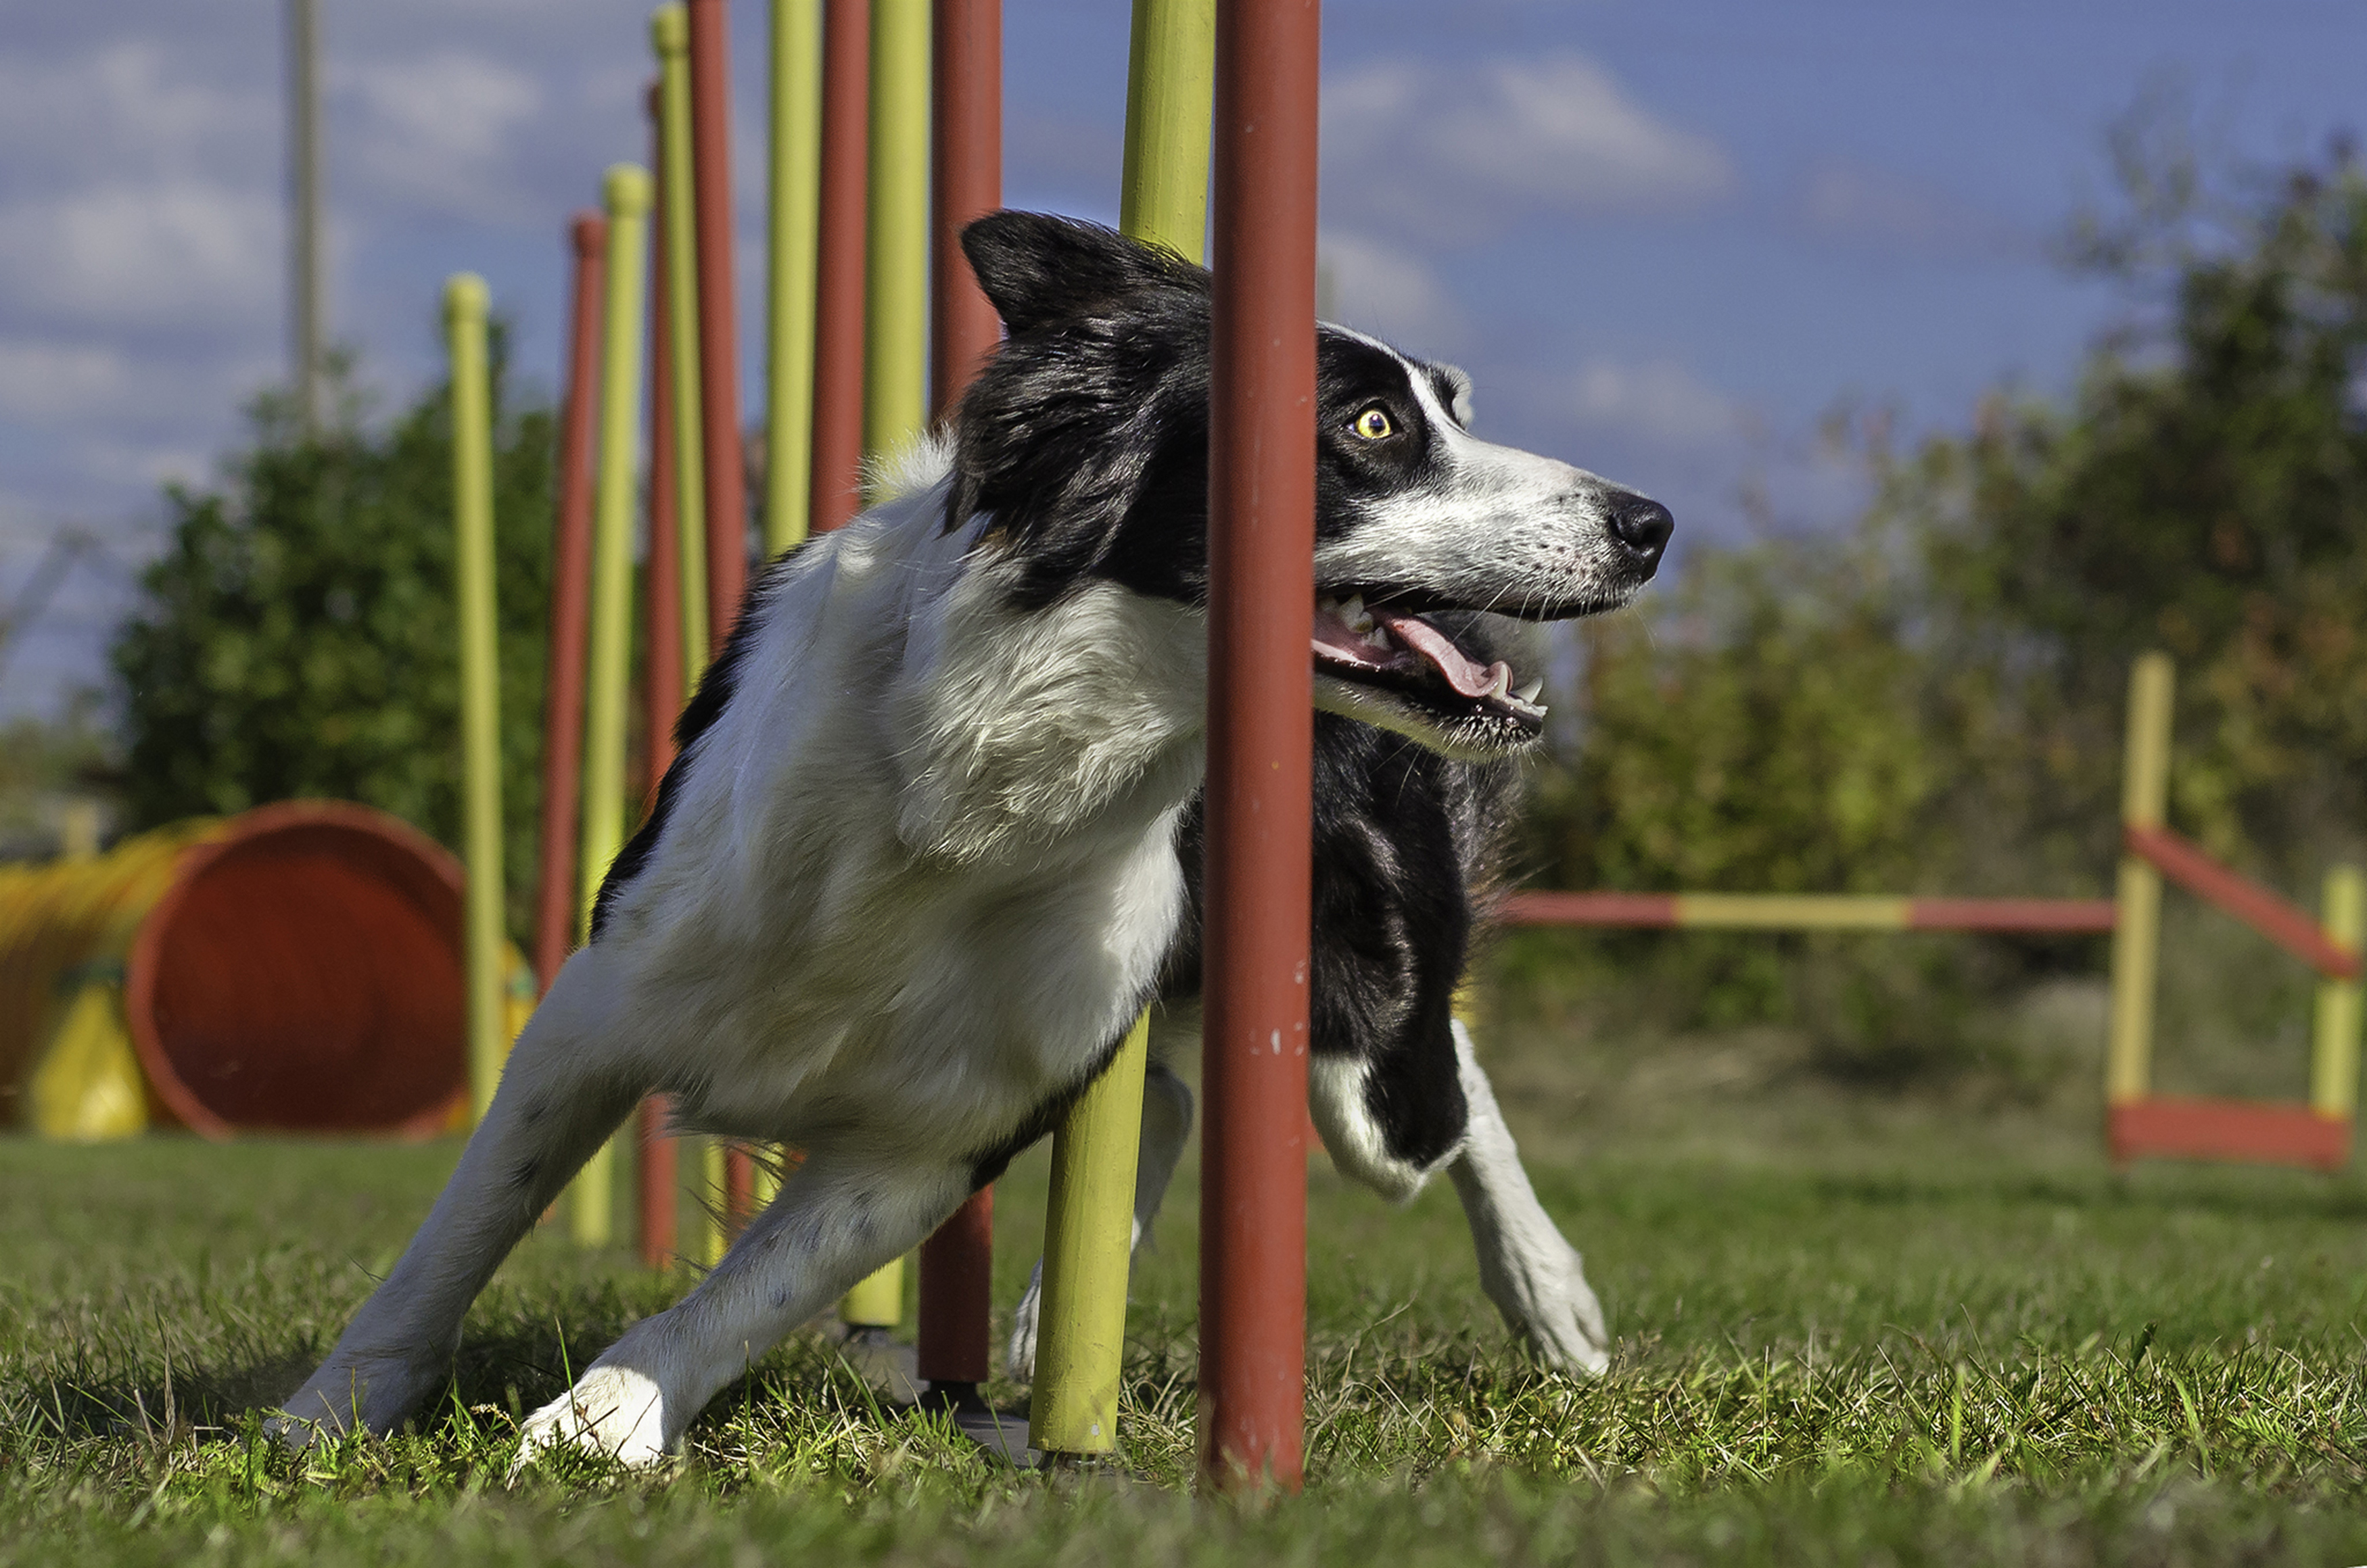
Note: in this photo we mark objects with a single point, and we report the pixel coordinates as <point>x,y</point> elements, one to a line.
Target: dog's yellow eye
<point>1374,425</point>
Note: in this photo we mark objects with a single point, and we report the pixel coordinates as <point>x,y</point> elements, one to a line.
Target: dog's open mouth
<point>1408,654</point>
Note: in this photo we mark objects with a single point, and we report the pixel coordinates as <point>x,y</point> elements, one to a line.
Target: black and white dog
<point>916,869</point>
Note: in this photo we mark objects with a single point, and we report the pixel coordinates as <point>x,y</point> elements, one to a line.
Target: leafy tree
<point>298,638</point>
<point>1934,701</point>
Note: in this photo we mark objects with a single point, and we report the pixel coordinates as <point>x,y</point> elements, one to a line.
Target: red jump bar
<point>2288,926</point>
<point>2253,1132</point>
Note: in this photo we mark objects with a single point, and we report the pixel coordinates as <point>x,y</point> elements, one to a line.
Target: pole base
<point>1002,1435</point>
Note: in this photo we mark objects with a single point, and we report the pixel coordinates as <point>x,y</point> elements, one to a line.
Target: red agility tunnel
<point>303,973</point>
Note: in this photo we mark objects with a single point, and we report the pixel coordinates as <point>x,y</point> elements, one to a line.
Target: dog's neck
<point>1019,731</point>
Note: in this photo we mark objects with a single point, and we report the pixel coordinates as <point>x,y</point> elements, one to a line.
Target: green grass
<point>1850,1331</point>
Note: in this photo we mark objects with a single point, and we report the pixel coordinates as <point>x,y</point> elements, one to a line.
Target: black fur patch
<point>1407,846</point>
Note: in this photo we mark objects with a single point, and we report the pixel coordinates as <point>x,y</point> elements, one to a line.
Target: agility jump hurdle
<point>2138,1123</point>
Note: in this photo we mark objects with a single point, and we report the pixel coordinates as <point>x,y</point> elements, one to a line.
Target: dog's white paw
<point>369,1393</point>
<point>1543,1291</point>
<point>613,1411</point>
<point>1019,1355</point>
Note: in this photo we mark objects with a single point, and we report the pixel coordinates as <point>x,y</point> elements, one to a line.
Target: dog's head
<point>1085,442</point>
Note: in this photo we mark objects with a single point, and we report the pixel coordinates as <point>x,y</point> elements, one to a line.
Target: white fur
<point>917,878</point>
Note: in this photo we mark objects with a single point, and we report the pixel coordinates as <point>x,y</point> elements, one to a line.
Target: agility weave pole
<point>686,457</point>
<point>895,327</point>
<point>957,1263</point>
<point>657,1174</point>
<point>628,194</point>
<point>838,259</point>
<point>472,514</point>
<point>1261,737</point>
<point>570,565</point>
<point>796,140</point>
<point>1088,1221</point>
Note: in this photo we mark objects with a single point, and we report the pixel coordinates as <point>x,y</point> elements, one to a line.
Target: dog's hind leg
<point>561,1094</point>
<point>1534,1275</point>
<point>836,1219</point>
<point>1166,1124</point>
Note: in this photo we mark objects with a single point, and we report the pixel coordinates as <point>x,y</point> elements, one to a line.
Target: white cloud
<point>1384,289</point>
<point>125,105</point>
<point>440,128</point>
<point>1447,148</point>
<point>1853,202</point>
<point>1659,401</point>
<point>188,255</point>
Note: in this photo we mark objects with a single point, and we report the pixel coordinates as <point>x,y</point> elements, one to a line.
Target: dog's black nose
<point>1643,526</point>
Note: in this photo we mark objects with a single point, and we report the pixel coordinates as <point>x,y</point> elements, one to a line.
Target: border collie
<point>914,871</point>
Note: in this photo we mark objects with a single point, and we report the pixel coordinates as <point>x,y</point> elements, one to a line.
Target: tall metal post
<point>678,223</point>
<point>966,181</point>
<point>1261,730</point>
<point>628,191</point>
<point>307,308</point>
<point>790,316</point>
<point>2334,1045</point>
<point>839,262</point>
<point>570,565</point>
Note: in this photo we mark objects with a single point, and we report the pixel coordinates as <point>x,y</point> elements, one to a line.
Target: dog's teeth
<point>1528,693</point>
<point>1502,684</point>
<point>1359,619</point>
<point>1326,607</point>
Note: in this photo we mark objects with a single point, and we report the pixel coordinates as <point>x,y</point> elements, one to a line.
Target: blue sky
<point>1666,237</point>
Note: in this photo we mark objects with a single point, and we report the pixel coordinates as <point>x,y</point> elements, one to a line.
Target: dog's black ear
<point>1037,269</point>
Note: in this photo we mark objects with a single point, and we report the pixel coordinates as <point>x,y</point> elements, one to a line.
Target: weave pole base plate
<point>2252,1132</point>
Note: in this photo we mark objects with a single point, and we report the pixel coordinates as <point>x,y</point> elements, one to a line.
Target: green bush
<point>298,635</point>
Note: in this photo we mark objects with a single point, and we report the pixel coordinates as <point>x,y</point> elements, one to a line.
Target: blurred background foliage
<point>1933,701</point>
<point>298,637</point>
<point>1928,701</point>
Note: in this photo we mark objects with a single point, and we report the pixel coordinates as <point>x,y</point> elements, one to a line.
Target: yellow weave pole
<point>607,670</point>
<point>480,722</point>
<point>1089,1225</point>
<point>895,342</point>
<point>790,284</point>
<point>792,264</point>
<point>2334,1046</point>
<point>1088,1244</point>
<point>2136,933</point>
<point>678,231</point>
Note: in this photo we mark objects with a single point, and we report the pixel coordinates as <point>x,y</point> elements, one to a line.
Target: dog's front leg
<point>1166,1123</point>
<point>835,1220</point>
<point>1531,1273</point>
<point>562,1093</point>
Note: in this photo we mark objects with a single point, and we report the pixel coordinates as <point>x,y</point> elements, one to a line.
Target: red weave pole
<point>718,388</point>
<point>656,1174</point>
<point>966,181</point>
<point>570,594</point>
<point>718,319</point>
<point>1261,731</point>
<point>2285,924</point>
<point>843,230</point>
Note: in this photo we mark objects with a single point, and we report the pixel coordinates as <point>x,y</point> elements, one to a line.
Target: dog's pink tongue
<point>1468,679</point>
